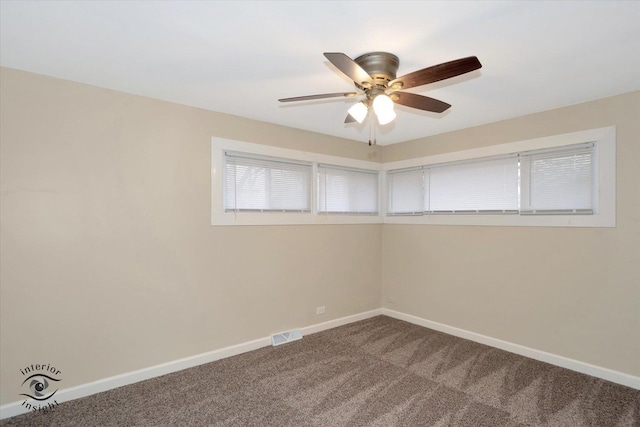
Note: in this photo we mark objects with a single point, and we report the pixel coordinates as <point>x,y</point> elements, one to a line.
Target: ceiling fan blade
<point>349,119</point>
<point>321,96</point>
<point>437,72</point>
<point>420,102</point>
<point>350,68</point>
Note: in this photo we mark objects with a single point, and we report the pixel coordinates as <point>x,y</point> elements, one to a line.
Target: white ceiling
<point>240,57</point>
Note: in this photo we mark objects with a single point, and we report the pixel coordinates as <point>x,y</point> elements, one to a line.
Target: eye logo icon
<point>40,387</point>
<point>41,383</point>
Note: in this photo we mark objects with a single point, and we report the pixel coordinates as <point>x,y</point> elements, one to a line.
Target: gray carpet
<point>377,372</point>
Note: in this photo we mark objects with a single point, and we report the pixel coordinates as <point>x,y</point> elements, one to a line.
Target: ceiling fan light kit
<point>383,107</point>
<point>359,111</point>
<point>374,74</point>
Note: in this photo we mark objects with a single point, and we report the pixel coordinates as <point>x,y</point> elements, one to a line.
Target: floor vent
<point>285,337</point>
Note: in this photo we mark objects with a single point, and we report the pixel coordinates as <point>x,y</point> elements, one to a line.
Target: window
<point>549,181</point>
<point>347,191</point>
<point>487,185</point>
<point>479,186</point>
<point>558,181</point>
<point>563,180</point>
<point>256,184</point>
<point>405,192</point>
<point>259,183</point>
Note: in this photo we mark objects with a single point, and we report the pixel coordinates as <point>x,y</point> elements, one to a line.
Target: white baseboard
<point>563,362</point>
<point>65,395</point>
<point>319,327</point>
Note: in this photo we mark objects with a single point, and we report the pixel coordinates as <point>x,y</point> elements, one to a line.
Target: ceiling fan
<point>375,74</point>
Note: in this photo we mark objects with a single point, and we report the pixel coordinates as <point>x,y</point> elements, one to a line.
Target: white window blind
<point>260,183</point>
<point>405,192</point>
<point>347,191</point>
<point>558,181</point>
<point>480,186</point>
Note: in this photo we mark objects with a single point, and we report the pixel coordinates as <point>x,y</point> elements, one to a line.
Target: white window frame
<point>604,198</point>
<point>220,217</point>
<point>605,183</point>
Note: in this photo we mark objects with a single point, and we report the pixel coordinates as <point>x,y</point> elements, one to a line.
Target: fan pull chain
<point>372,130</point>
<point>370,120</point>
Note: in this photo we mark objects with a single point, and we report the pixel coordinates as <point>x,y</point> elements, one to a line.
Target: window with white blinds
<point>261,183</point>
<point>548,181</point>
<point>405,192</point>
<point>558,181</point>
<point>566,180</point>
<point>347,191</point>
<point>479,186</point>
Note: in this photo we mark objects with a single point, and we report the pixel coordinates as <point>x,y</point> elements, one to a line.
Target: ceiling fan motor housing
<point>381,66</point>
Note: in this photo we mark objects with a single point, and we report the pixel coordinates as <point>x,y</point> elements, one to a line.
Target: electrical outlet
<point>320,310</point>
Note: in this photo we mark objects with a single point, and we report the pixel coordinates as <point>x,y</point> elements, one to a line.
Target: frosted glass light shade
<point>359,111</point>
<point>383,107</point>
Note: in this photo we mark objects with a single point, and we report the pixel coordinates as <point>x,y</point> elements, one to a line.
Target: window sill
<point>505,220</point>
<point>273,218</point>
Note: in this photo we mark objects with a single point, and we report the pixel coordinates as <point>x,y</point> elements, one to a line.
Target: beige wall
<point>574,292</point>
<point>109,263</point>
